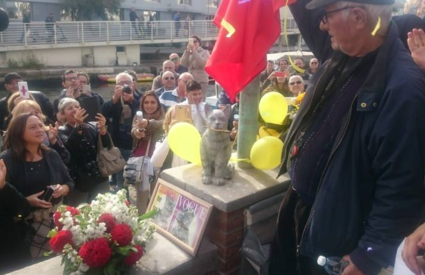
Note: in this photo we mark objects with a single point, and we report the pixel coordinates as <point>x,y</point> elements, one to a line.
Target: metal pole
<point>248,120</point>
<point>172,30</point>
<point>82,32</point>
<point>56,38</point>
<point>131,33</point>
<point>107,31</point>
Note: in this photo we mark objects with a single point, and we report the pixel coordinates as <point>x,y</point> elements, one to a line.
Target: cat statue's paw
<point>218,181</point>
<point>230,171</point>
<point>206,180</point>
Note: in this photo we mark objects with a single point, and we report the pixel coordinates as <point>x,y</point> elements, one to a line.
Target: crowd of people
<point>354,150</point>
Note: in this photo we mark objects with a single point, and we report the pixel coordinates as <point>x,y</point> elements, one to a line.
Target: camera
<point>126,89</point>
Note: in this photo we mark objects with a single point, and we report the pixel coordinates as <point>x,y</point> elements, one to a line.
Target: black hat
<point>10,76</point>
<point>315,4</point>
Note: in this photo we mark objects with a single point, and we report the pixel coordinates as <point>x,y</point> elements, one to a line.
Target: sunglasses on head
<point>295,82</point>
<point>169,78</point>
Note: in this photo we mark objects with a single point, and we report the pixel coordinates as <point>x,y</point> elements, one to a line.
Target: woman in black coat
<point>34,169</point>
<point>81,140</point>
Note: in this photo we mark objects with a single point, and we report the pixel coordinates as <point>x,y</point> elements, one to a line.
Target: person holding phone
<point>146,131</point>
<point>119,112</point>
<point>279,84</point>
<point>195,58</point>
<point>81,140</point>
<point>31,168</point>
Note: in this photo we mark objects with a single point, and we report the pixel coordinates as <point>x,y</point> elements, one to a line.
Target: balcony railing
<point>108,32</point>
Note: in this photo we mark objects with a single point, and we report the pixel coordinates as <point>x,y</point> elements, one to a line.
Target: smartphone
<point>191,41</point>
<point>48,194</point>
<point>279,74</point>
<point>86,89</point>
<point>182,112</point>
<point>23,89</point>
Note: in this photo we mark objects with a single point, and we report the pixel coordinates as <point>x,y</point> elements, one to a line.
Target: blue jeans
<point>118,178</point>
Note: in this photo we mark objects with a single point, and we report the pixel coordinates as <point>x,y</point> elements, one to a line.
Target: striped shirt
<point>168,99</point>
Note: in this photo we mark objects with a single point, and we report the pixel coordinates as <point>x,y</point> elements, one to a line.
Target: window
<point>212,3</point>
<point>158,1</point>
<point>184,2</point>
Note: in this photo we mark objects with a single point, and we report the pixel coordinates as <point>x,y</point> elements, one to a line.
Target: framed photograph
<point>182,217</point>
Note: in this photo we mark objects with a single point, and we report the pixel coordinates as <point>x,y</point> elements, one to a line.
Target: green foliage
<point>28,62</point>
<point>83,10</point>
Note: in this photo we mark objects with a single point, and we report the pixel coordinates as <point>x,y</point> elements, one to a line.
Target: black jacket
<point>121,136</point>
<point>17,176</point>
<point>13,251</point>
<point>79,99</point>
<point>42,100</point>
<point>83,148</point>
<point>371,191</point>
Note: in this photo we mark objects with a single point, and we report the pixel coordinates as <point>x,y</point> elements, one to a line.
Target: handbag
<point>133,170</point>
<point>109,160</point>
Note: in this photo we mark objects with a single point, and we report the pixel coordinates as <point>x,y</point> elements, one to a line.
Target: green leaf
<point>149,214</point>
<point>47,254</point>
<point>52,233</point>
<point>124,250</point>
<point>110,267</point>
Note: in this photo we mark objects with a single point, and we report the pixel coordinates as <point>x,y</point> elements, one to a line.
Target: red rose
<point>60,240</point>
<point>109,221</point>
<point>133,257</point>
<point>74,211</point>
<point>122,234</point>
<point>96,253</point>
<point>56,218</point>
<point>127,203</point>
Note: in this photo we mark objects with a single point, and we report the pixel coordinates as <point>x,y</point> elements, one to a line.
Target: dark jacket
<point>371,190</point>
<point>42,100</point>
<point>79,99</point>
<point>112,112</point>
<point>13,251</point>
<point>17,175</point>
<point>83,147</point>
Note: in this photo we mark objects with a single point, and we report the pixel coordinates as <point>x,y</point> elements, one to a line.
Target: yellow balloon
<point>185,141</point>
<point>273,108</point>
<point>266,153</point>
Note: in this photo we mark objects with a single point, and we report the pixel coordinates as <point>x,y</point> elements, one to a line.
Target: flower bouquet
<point>104,237</point>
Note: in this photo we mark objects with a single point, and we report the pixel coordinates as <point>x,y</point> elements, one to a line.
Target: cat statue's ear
<point>208,110</point>
<point>227,110</point>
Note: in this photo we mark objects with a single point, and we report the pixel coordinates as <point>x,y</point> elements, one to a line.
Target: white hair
<point>65,102</point>
<point>296,76</point>
<point>373,11</point>
<point>186,74</point>
<point>123,74</point>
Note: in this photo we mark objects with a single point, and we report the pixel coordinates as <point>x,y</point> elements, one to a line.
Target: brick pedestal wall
<point>226,231</point>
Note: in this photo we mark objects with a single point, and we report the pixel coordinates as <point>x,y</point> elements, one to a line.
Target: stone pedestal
<point>226,225</point>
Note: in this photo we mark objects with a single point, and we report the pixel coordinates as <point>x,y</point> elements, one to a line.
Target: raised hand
<point>80,116</point>
<point>416,43</point>
<point>2,174</point>
<point>101,122</point>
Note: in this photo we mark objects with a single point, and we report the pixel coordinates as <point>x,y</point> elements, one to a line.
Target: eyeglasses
<point>326,14</point>
<point>175,59</point>
<point>169,78</point>
<point>124,83</point>
<point>295,82</point>
<point>71,78</point>
<point>313,63</point>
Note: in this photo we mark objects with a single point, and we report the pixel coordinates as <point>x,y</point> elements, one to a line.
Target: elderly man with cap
<point>11,84</point>
<point>355,152</point>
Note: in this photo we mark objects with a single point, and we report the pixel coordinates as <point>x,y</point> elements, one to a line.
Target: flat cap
<point>10,76</point>
<point>315,4</point>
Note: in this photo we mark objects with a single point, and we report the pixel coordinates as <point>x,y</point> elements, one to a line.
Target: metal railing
<point>105,32</point>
